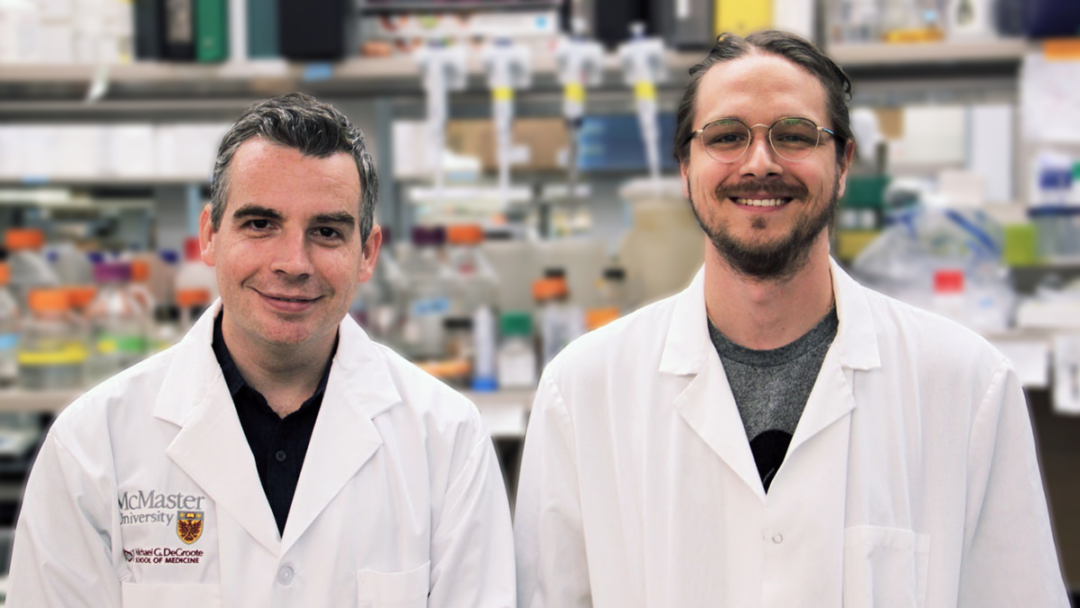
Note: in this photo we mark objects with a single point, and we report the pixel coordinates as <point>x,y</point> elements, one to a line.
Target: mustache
<point>769,188</point>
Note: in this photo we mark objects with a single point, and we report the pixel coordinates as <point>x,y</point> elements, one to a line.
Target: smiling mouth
<point>761,202</point>
<point>293,300</point>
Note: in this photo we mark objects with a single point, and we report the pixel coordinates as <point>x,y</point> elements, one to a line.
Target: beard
<point>779,260</point>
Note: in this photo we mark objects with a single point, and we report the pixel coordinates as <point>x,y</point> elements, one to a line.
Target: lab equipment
<point>508,68</point>
<point>139,287</point>
<point>117,323</point>
<point>907,260</point>
<point>517,358</point>
<point>191,302</point>
<point>52,348</point>
<point>664,247</point>
<point>165,331</point>
<point>430,295</point>
<point>643,66</point>
<point>484,376</point>
<point>194,273</point>
<point>29,268</point>
<point>9,330</point>
<point>560,321</point>
<point>578,66</point>
<point>1058,227</point>
<point>476,283</point>
<point>443,69</point>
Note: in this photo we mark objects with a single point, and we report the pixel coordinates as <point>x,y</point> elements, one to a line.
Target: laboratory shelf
<point>459,7</point>
<point>973,52</point>
<point>151,86</point>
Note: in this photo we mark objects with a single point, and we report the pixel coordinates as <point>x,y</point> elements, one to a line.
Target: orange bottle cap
<point>598,317</point>
<point>186,298</point>
<point>553,287</point>
<point>464,234</point>
<point>24,238</point>
<point>49,300</point>
<point>140,271</point>
<point>81,296</point>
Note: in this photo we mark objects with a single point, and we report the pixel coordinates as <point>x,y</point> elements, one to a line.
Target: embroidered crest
<point>189,525</point>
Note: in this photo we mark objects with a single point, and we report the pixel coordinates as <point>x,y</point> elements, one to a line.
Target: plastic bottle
<point>485,373</point>
<point>194,273</point>
<point>163,270</point>
<point>613,290</point>
<point>29,268</point>
<point>430,295</point>
<point>52,349</point>
<point>72,266</point>
<point>80,297</point>
<point>476,281</point>
<point>948,298</point>
<point>612,300</point>
<point>560,322</point>
<point>140,287</point>
<point>117,323</point>
<point>459,350</point>
<point>516,363</point>
<point>192,303</point>
<point>387,316</point>
<point>9,331</point>
<point>165,331</point>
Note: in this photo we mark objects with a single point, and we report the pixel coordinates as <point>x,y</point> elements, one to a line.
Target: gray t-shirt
<point>771,388</point>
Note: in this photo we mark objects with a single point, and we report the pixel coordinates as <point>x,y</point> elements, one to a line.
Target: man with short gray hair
<point>276,456</point>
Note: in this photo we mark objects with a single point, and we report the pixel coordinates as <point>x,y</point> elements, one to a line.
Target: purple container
<point>112,272</point>
<point>433,236</point>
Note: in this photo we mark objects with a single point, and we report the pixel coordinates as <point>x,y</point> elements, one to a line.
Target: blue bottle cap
<point>484,385</point>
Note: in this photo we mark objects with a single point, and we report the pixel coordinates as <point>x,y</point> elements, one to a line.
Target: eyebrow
<point>257,211</point>
<point>342,217</point>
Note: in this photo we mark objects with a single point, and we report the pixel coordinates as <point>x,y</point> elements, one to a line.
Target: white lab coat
<point>911,479</point>
<point>400,495</point>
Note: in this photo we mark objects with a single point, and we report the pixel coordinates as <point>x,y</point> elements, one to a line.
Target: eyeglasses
<point>791,138</point>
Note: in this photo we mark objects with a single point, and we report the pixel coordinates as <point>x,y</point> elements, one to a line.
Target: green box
<point>865,192</point>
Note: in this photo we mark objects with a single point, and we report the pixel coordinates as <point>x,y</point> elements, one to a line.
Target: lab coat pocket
<point>394,589</point>
<point>159,595</point>
<point>885,567</point>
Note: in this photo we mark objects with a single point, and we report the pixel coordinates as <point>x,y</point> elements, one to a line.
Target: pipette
<point>508,68</point>
<point>643,66</point>
<point>578,62</point>
<point>443,69</point>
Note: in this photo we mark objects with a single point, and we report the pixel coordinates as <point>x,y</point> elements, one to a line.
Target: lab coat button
<point>285,575</point>
<point>778,538</point>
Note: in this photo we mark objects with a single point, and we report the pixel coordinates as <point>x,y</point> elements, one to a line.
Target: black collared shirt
<point>278,444</point>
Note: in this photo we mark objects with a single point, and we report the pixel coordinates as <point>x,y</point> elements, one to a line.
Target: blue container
<point>613,143</point>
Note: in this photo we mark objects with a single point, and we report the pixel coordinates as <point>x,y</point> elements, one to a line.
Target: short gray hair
<point>306,124</point>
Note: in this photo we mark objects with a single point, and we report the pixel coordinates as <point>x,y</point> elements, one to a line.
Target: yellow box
<point>742,17</point>
<point>850,243</point>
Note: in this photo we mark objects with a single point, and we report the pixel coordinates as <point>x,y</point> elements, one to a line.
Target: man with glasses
<point>776,434</point>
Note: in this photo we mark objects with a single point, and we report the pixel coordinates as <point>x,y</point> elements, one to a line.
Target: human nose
<point>291,255</point>
<point>759,159</point>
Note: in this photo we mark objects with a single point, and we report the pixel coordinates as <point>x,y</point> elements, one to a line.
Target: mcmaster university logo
<point>189,525</point>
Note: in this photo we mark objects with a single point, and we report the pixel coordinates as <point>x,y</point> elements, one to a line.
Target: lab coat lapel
<point>706,403</point>
<point>853,350</point>
<point>344,438</point>
<point>211,446</point>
